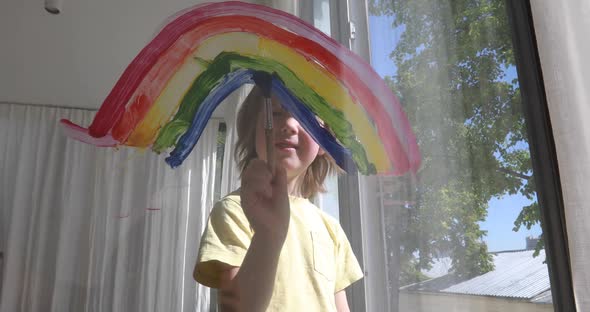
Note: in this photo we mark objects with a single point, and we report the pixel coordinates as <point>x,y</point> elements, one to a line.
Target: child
<point>266,246</point>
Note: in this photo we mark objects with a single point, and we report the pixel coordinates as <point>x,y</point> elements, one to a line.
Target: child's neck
<point>294,186</point>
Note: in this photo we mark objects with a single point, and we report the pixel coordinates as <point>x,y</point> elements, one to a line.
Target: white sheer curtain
<point>566,72</point>
<point>230,175</point>
<point>95,229</point>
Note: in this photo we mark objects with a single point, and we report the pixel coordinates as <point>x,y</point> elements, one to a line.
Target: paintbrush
<point>264,81</point>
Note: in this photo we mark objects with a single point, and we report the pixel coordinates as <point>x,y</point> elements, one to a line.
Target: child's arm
<point>341,301</point>
<point>265,203</point>
<point>249,287</point>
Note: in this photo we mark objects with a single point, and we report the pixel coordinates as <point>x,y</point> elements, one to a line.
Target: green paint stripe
<point>227,62</point>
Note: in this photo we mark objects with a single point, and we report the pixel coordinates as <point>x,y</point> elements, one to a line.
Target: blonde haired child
<point>266,247</point>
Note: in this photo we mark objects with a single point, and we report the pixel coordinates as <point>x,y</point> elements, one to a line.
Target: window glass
<point>321,15</point>
<point>327,201</point>
<point>464,233</point>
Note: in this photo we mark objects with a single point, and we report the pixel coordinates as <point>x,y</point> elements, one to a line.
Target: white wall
<point>562,30</point>
<point>73,59</point>
<point>433,302</point>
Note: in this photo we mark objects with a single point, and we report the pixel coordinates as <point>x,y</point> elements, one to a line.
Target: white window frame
<point>359,200</point>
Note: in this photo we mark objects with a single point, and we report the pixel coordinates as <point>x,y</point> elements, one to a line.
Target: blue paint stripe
<point>308,121</point>
<point>189,139</point>
<point>291,103</point>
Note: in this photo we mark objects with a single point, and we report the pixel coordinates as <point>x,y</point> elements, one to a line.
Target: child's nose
<point>290,125</point>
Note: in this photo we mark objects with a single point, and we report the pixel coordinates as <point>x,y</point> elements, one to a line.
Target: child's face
<point>294,148</point>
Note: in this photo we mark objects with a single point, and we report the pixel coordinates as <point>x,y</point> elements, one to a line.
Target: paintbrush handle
<point>268,132</point>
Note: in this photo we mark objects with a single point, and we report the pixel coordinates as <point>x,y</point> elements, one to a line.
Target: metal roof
<point>516,274</point>
<point>544,297</point>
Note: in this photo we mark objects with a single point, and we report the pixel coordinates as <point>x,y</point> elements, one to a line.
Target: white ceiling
<point>73,59</point>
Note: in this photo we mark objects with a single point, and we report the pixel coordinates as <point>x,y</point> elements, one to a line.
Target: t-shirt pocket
<point>323,256</point>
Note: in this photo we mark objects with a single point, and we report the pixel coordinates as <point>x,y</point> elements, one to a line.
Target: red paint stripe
<point>217,25</point>
<point>139,107</point>
<point>114,106</point>
<point>81,134</point>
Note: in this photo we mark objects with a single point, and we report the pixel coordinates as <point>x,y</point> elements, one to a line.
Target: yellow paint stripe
<point>315,76</point>
<point>169,100</point>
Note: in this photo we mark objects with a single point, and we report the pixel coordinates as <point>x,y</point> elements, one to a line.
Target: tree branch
<point>514,173</point>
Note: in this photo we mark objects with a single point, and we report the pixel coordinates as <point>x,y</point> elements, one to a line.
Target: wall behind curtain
<point>561,29</point>
<point>74,58</point>
<point>96,229</point>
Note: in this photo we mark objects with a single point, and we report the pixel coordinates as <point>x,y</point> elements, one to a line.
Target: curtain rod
<point>67,107</point>
<point>47,105</point>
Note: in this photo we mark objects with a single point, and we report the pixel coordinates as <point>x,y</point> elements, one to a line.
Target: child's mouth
<point>285,146</point>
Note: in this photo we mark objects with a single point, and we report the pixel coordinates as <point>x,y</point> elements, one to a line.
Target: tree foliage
<point>451,61</point>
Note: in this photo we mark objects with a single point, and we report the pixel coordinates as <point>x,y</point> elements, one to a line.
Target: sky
<point>503,211</point>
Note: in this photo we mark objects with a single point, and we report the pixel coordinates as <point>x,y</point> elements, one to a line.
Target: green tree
<point>451,61</point>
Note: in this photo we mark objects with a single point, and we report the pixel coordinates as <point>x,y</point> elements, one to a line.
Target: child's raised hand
<point>265,199</point>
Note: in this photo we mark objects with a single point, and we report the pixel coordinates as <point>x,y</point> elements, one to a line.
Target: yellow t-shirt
<point>316,260</point>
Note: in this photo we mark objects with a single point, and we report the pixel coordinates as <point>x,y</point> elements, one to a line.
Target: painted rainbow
<point>169,91</point>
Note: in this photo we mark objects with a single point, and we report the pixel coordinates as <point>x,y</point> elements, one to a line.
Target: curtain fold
<point>96,229</point>
<point>566,73</point>
<point>230,177</point>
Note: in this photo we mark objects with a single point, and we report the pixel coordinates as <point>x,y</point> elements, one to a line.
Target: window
<point>464,233</point>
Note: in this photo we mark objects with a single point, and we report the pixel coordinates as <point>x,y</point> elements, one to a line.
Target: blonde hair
<point>313,179</point>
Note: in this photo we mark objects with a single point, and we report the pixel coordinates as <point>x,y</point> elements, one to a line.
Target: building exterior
<point>519,282</point>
